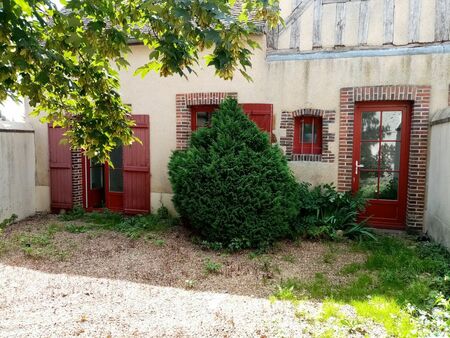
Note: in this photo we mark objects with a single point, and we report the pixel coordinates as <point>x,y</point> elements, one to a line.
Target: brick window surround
<point>184,102</point>
<point>420,98</point>
<point>287,141</point>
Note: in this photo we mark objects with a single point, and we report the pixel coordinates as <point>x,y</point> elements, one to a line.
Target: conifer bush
<point>231,185</point>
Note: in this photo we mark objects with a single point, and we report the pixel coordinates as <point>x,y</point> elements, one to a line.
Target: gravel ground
<point>111,255</point>
<point>38,304</point>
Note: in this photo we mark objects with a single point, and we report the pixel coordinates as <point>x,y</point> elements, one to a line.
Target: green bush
<point>231,185</point>
<point>327,213</point>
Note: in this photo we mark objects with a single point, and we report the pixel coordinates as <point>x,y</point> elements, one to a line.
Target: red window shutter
<point>136,169</point>
<point>60,163</point>
<point>261,114</point>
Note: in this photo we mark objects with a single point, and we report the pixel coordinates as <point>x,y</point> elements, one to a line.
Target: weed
<point>77,229</point>
<point>189,283</point>
<point>329,257</point>
<point>159,242</point>
<point>8,221</point>
<point>285,293</point>
<point>289,258</point>
<point>212,267</point>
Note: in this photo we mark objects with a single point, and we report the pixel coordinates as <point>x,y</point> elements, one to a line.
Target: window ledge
<point>307,157</point>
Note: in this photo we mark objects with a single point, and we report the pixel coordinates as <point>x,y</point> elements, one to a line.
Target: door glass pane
<point>97,177</point>
<point>370,125</point>
<point>115,174</point>
<point>392,125</point>
<point>388,186</point>
<point>390,155</point>
<point>115,180</point>
<point>370,154</point>
<point>203,119</point>
<point>368,184</point>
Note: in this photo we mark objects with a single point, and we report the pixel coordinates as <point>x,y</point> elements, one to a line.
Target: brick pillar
<point>77,179</point>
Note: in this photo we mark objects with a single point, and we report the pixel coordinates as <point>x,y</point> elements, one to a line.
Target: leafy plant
<point>327,213</point>
<point>212,267</point>
<point>65,61</point>
<point>231,185</point>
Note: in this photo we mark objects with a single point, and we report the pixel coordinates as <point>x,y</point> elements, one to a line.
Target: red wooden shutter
<point>136,169</point>
<point>60,163</point>
<point>261,114</point>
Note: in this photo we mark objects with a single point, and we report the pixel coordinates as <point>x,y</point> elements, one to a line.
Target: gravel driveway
<point>34,303</point>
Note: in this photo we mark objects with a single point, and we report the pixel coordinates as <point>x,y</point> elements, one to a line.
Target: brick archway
<point>420,97</point>
<point>184,102</point>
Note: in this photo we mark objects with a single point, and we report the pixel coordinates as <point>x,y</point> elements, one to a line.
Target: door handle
<point>357,166</point>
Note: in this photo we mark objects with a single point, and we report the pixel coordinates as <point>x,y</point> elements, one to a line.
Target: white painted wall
<point>17,169</point>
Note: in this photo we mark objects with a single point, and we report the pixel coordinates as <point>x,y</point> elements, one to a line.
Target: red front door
<point>380,161</point>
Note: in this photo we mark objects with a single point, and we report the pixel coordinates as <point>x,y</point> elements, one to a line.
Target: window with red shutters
<point>308,135</point>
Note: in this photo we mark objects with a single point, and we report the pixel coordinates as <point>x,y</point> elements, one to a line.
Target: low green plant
<point>40,245</point>
<point>8,221</point>
<point>159,242</point>
<point>132,226</point>
<point>77,228</point>
<point>212,266</point>
<point>326,213</point>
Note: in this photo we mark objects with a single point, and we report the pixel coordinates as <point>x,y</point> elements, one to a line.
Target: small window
<point>308,135</point>
<point>201,116</point>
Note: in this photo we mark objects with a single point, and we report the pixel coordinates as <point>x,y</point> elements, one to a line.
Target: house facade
<point>347,88</point>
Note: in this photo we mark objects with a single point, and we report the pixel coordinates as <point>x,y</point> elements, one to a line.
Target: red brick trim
<point>287,141</point>
<point>420,97</point>
<point>184,102</point>
<point>77,179</point>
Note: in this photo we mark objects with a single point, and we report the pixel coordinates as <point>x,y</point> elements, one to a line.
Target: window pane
<point>370,154</point>
<point>115,174</point>
<point>307,133</point>
<point>388,186</point>
<point>97,177</point>
<point>392,125</point>
<point>368,184</point>
<point>390,155</point>
<point>203,119</point>
<point>370,125</point>
<point>115,180</point>
<point>116,157</point>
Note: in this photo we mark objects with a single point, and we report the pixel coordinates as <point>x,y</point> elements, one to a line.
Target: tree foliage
<point>65,61</point>
<point>231,185</point>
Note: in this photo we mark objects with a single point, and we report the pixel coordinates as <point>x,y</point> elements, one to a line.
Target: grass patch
<point>387,312</point>
<point>399,273</point>
<point>133,227</point>
<point>40,246</point>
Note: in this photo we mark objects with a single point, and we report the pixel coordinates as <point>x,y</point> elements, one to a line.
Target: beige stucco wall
<point>438,211</point>
<point>17,184</point>
<point>288,85</point>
